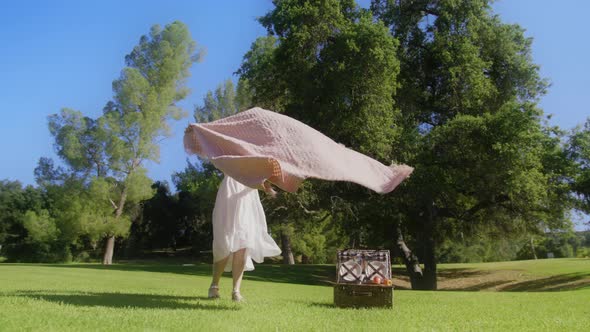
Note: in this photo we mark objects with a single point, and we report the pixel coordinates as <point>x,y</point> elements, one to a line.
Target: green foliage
<point>318,240</point>
<point>53,222</point>
<point>560,244</point>
<point>259,75</point>
<point>27,230</point>
<point>503,173</point>
<point>225,101</point>
<point>44,241</point>
<point>584,253</point>
<point>13,205</point>
<point>139,184</point>
<point>146,95</point>
<point>79,141</point>
<point>40,227</point>
<point>158,225</point>
<point>197,190</point>
<point>96,210</point>
<point>491,245</point>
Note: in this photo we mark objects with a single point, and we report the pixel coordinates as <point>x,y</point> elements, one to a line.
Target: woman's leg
<point>217,272</point>
<point>238,264</point>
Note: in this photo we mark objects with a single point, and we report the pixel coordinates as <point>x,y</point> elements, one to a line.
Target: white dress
<point>239,222</point>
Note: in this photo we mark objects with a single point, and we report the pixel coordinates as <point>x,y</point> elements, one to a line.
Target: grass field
<point>163,297</point>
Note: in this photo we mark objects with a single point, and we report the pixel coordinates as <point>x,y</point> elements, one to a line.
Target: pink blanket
<point>259,145</point>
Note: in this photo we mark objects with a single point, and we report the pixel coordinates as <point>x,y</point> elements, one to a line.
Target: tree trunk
<point>108,252</point>
<point>428,281</point>
<point>287,252</point>
<point>427,241</point>
<point>110,245</point>
<point>304,259</point>
<point>429,273</point>
<point>533,248</point>
<point>410,260</point>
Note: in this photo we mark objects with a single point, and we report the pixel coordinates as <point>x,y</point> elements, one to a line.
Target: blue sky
<point>56,54</point>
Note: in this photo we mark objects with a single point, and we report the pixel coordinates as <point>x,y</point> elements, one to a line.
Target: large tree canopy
<point>443,86</point>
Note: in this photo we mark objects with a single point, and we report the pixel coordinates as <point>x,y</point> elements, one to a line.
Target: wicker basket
<point>355,272</point>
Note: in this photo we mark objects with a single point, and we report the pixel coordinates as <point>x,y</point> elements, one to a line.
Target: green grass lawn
<point>163,297</point>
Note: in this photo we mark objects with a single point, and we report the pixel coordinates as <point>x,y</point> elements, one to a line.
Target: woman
<point>239,234</point>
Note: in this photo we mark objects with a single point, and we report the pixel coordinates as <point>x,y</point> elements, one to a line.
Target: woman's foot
<point>237,297</point>
<point>214,292</point>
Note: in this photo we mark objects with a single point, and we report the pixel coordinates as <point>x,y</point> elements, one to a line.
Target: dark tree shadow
<point>482,286</point>
<point>125,300</point>
<point>324,305</point>
<point>563,282</point>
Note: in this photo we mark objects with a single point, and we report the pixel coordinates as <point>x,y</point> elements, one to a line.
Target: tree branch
<point>113,203</point>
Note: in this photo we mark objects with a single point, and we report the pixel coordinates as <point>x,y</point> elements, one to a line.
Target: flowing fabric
<point>239,222</point>
<point>259,145</point>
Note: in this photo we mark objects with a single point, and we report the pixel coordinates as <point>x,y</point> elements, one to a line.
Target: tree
<point>145,100</point>
<point>472,130</point>
<point>113,148</point>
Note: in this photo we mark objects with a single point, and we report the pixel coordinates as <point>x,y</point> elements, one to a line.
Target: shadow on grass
<point>325,305</point>
<point>293,274</point>
<point>455,273</point>
<point>124,300</point>
<point>564,282</point>
<point>487,285</point>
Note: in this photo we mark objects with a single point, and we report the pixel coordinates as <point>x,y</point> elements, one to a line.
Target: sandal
<point>237,297</point>
<point>213,292</point>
